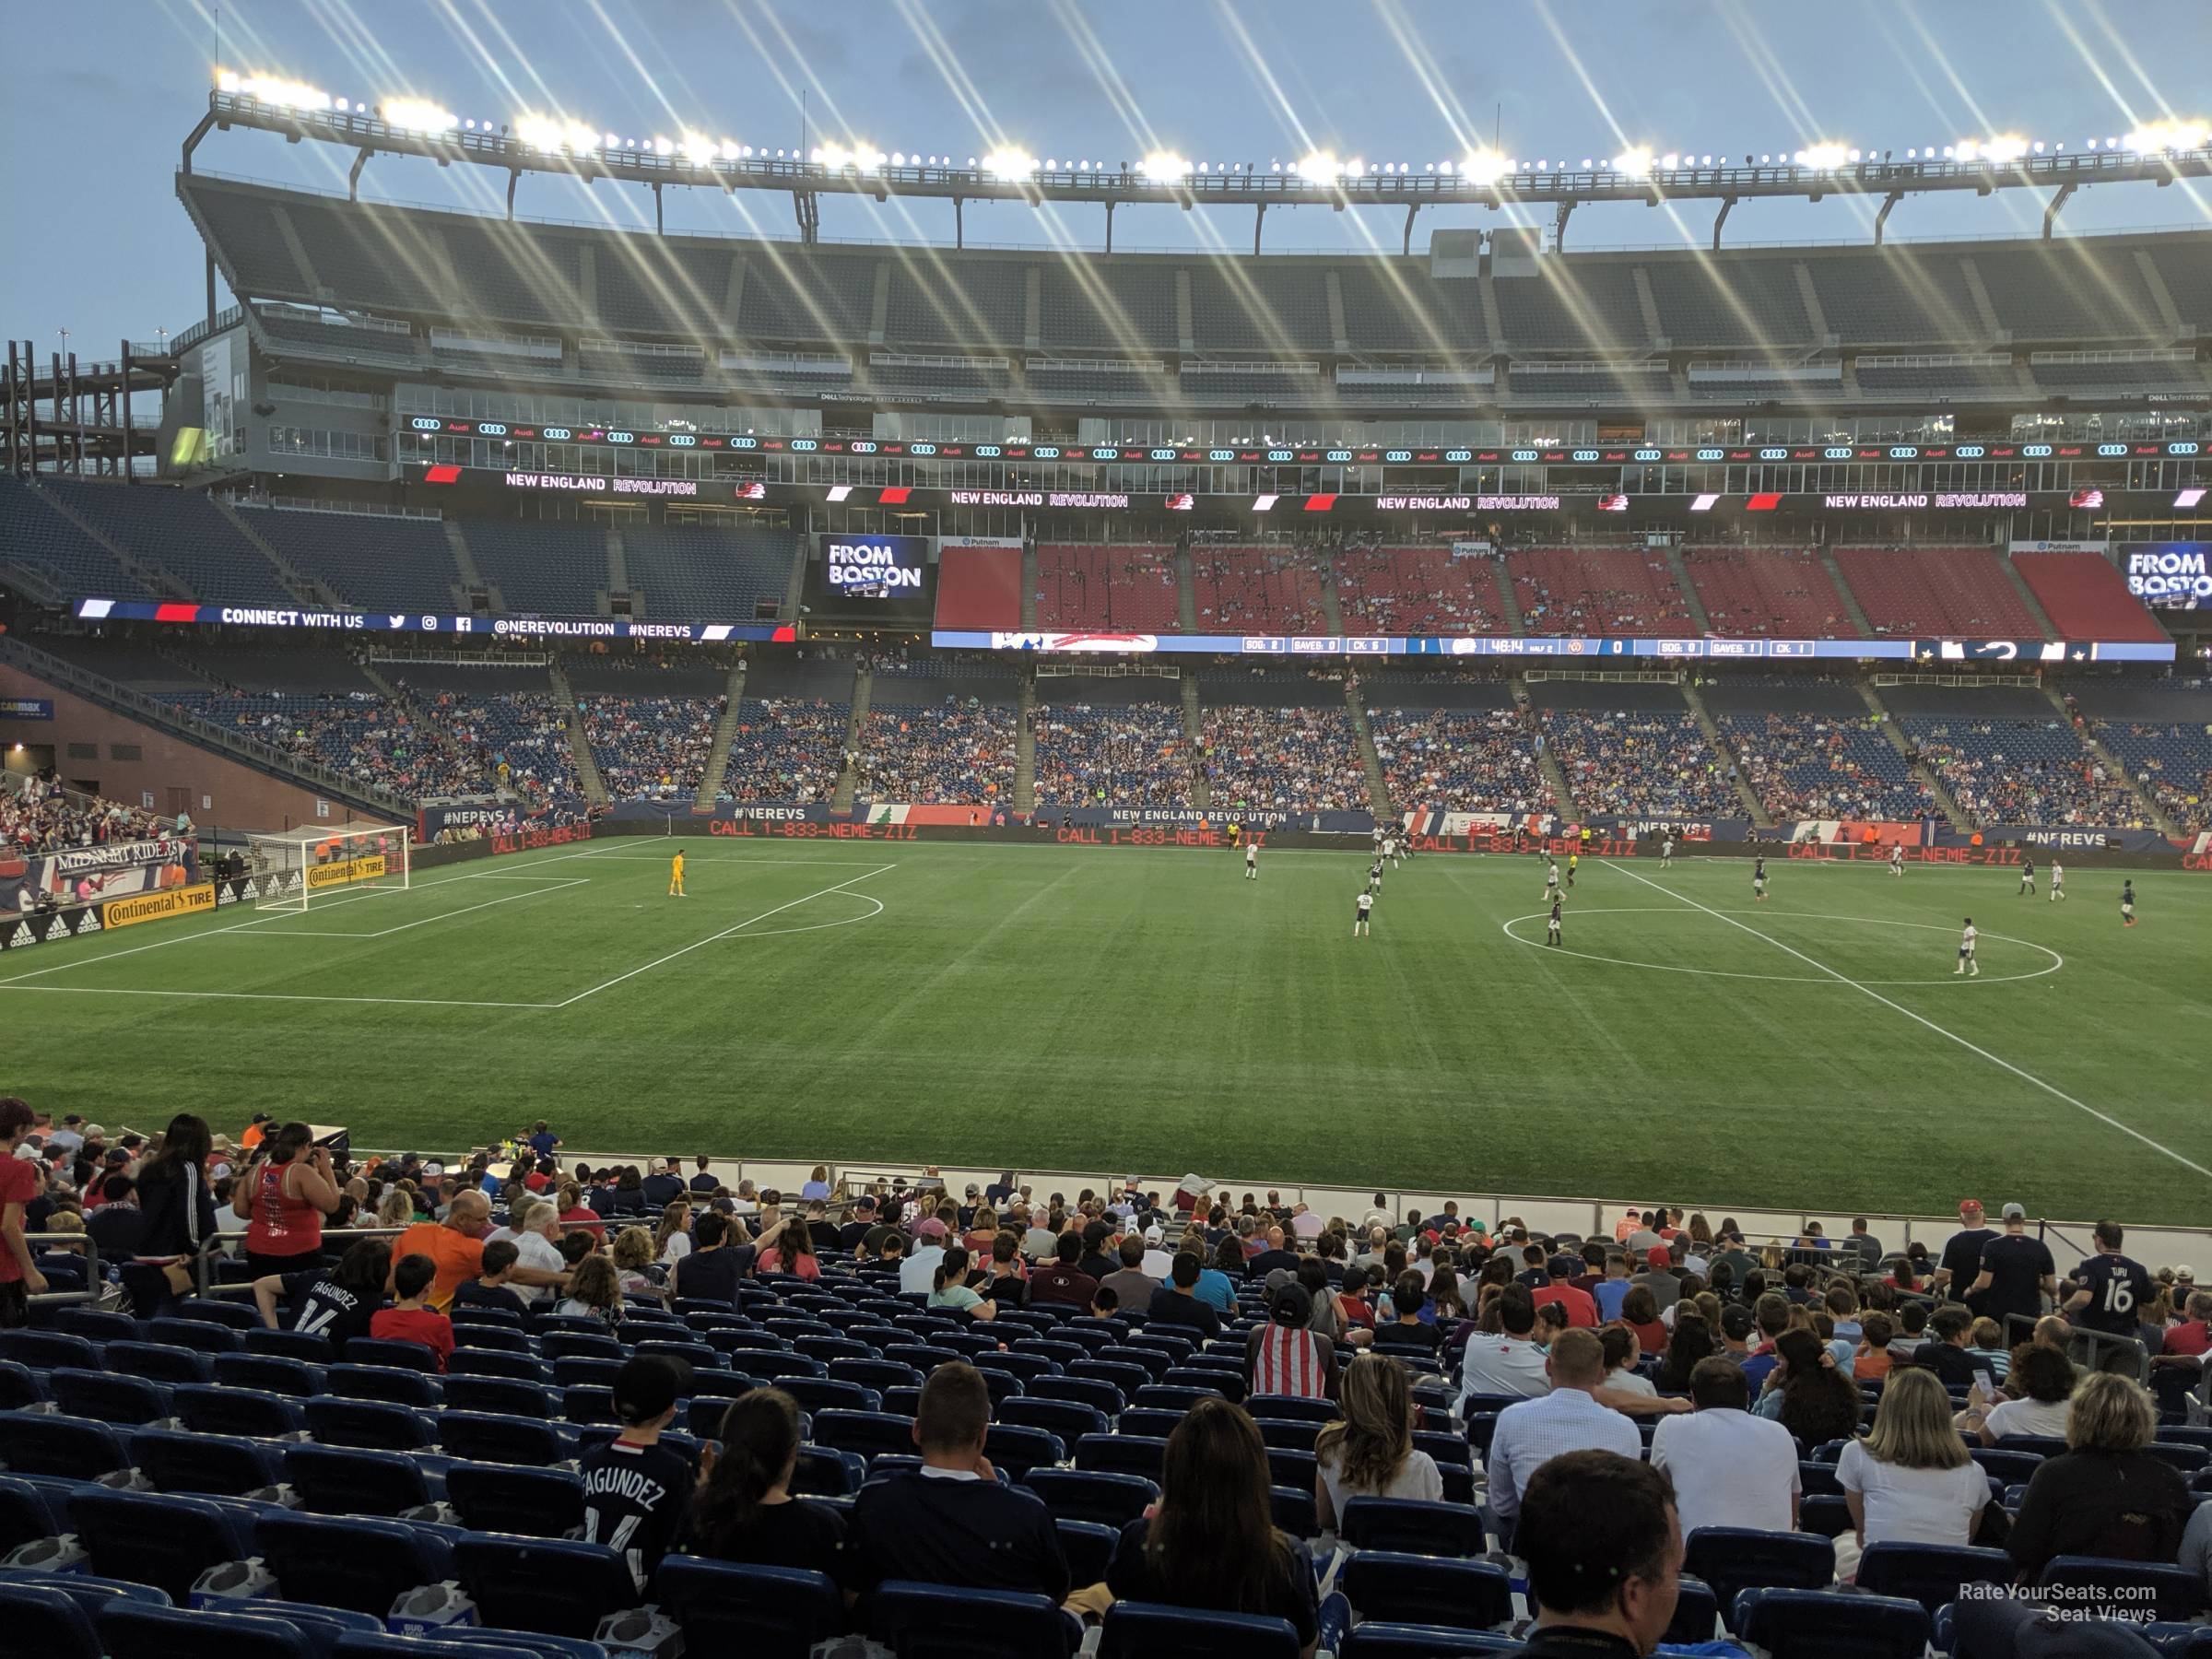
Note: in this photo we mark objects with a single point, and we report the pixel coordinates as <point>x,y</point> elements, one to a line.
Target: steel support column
<point>1721,218</point>
<point>353,174</point>
<point>1882,219</point>
<point>2057,206</point>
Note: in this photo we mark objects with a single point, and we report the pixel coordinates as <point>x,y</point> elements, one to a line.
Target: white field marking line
<point>425,1002</point>
<point>2057,961</point>
<point>2025,1077</point>
<point>726,933</point>
<point>554,884</point>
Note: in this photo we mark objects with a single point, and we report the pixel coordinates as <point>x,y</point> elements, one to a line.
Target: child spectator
<point>488,1289</point>
<point>594,1291</point>
<point>411,1318</point>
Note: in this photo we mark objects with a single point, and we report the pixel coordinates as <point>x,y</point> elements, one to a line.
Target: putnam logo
<point>154,907</point>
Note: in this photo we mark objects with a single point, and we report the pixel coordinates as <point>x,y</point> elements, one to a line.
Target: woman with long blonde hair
<point>1369,1452</point>
<point>672,1239</point>
<point>595,1291</point>
<point>1911,1479</point>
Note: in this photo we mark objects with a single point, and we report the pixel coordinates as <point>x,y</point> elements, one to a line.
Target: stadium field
<point>1086,1008</point>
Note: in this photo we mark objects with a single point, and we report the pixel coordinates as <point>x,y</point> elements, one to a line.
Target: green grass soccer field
<point>1079,1007</point>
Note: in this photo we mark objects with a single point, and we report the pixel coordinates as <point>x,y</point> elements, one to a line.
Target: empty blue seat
<point>1145,1421</point>
<point>369,1424</point>
<point>1127,1379</point>
<point>1287,1467</point>
<point>1109,1499</point>
<point>2006,1466</point>
<point>498,1393</point>
<point>155,1361</point>
<point>269,1373</point>
<point>47,1350</point>
<point>218,1465</point>
<point>2167,1592</point>
<point>211,1408</point>
<point>1696,1611</point>
<point>1930,1574</point>
<point>496,1362</point>
<point>1822,1624</point>
<point>866,1432</point>
<point>1143,1629</point>
<point>107,1398</point>
<point>71,1448</point>
<point>389,1383</point>
<point>1065,1419</point>
<point>1293,1408</point>
<point>18,1386</point>
<point>349,1561</point>
<point>1423,1589</point>
<point>1100,1394</point>
<point>1088,1547</point>
<point>772,1612</point>
<point>1018,1450</point>
<point>1422,1642</point>
<point>557,1585</point>
<point>24,1514</point>
<point>47,1622</point>
<point>310,1347</point>
<point>500,1498</point>
<point>239,1315</point>
<point>1827,1514</point>
<point>1284,1432</point>
<point>354,1480</point>
<point>827,1393</point>
<point>257,1630</point>
<point>1295,1511</point>
<point>154,1538</point>
<point>877,1374</point>
<point>943,1621</point>
<point>495,1437</point>
<point>824,1472</point>
<point>1121,1454</point>
<point>1734,1558</point>
<point>385,1350</point>
<point>208,1336</point>
<point>1411,1527</point>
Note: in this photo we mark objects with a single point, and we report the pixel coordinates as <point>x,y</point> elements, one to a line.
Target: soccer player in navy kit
<point>2127,903</point>
<point>2027,878</point>
<point>1759,880</point>
<point>1551,927</point>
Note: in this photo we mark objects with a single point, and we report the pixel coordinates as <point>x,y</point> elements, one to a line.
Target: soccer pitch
<point>1092,1009</point>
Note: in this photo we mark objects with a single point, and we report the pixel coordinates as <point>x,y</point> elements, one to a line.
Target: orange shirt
<point>459,1258</point>
<point>1870,1367</point>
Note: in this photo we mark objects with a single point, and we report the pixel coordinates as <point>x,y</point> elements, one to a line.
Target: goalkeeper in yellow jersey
<point>675,877</point>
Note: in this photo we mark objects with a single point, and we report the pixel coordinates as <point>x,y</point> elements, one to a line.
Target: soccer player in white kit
<point>1967,965</point>
<point>1252,860</point>
<point>1359,927</point>
<point>1897,858</point>
<point>1390,850</point>
<point>1666,850</point>
<point>2058,881</point>
<point>1551,880</point>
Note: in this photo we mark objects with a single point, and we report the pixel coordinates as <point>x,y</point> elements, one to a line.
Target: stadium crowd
<point>787,750</point>
<point>650,745</point>
<point>1548,1392</point>
<point>1287,758</point>
<point>1642,765</point>
<point>39,815</point>
<point>958,751</point>
<point>1111,752</point>
<point>1818,766</point>
<point>2015,772</point>
<point>1460,760</point>
<point>2172,761</point>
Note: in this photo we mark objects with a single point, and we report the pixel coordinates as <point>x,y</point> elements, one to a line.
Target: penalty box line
<point>726,933</point>
<point>1919,1019</point>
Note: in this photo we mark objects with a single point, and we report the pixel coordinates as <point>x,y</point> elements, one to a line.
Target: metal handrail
<point>95,1271</point>
<point>221,1247</point>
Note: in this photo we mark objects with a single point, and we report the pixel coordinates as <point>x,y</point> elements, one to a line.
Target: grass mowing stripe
<point>2025,1077</point>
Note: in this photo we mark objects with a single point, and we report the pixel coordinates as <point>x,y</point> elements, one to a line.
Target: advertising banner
<point>86,875</point>
<point>20,933</point>
<point>26,708</point>
<point>431,622</point>
<point>157,907</point>
<point>1710,649</point>
<point>342,872</point>
<point>2169,575</point>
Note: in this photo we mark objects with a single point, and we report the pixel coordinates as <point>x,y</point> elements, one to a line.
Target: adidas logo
<point>251,889</point>
<point>90,922</point>
<point>21,937</point>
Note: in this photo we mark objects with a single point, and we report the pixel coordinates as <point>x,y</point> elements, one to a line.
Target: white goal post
<point>299,869</point>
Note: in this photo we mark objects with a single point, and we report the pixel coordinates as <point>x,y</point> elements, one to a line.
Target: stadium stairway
<point>1509,603</point>
<point>796,586</point>
<point>848,773</point>
<point>1186,589</point>
<point>1194,722</point>
<point>1331,610</point>
<point>1695,607</point>
<point>618,571</point>
<point>2028,598</point>
<point>1922,771</point>
<point>1744,793</point>
<point>1378,786</point>
<point>303,588</point>
<point>472,579</point>
<point>1028,595</point>
<point>1025,734</point>
<point>1546,762</point>
<point>1851,607</point>
<point>156,581</point>
<point>2113,766</point>
<point>580,742</point>
<point>725,733</point>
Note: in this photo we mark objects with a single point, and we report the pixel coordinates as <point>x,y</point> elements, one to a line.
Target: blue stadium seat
<point>866,1432</point>
<point>1123,1454</point>
<point>495,1362</point>
<point>1088,1547</point>
<point>823,1472</point>
<point>1147,1422</point>
<point>1930,1574</point>
<point>1824,1624</point>
<point>216,1465</point>
<point>1107,1499</point>
<point>826,1393</point>
<point>385,1350</point>
<point>944,1621</point>
<point>71,1448</point>
<point>1287,1467</point>
<point>1293,1408</point>
<point>349,1561</point>
<point>369,1424</point>
<point>107,1398</point>
<point>494,1437</point>
<point>1017,1451</point>
<point>500,1498</point>
<point>1295,1511</point>
<point>1100,1394</point>
<point>156,1362</point>
<point>1063,1417</point>
<point>24,1514</point>
<point>353,1480</point>
<point>1828,1515</point>
<point>2177,1593</point>
<point>94,1324</point>
<point>47,1350</point>
<point>153,1538</point>
<point>1696,1611</point>
<point>877,1374</point>
<point>1127,1379</point>
<point>1734,1558</point>
<point>211,1408</point>
<point>256,1631</point>
<point>18,1386</point>
<point>772,1612</point>
<point>1431,1590</point>
<point>267,1373</point>
<point>311,1348</point>
<point>498,1393</point>
<point>1284,1432</point>
<point>1412,1527</point>
<point>1146,1630</point>
<point>47,1622</point>
<point>389,1383</point>
<point>1422,1642</point>
<point>2006,1466</point>
<point>556,1586</point>
<point>208,1336</point>
<point>239,1315</point>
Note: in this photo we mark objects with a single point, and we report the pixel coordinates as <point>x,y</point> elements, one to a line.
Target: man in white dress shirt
<point>1569,1418</point>
<point>1729,1468</point>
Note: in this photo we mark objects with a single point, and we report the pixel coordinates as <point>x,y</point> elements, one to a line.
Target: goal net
<point>302,868</point>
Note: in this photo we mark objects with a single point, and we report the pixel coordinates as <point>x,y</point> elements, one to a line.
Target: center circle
<point>2056,962</point>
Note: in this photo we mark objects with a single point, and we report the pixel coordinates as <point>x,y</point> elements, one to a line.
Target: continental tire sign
<point>342,871</point>
<point>156,907</point>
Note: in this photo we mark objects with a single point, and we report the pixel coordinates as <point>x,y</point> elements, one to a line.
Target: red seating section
<point>1596,591</point>
<point>1417,590</point>
<point>1257,590</point>
<point>1935,591</point>
<point>1776,592</point>
<point>2085,597</point>
<point>980,587</point>
<point>1123,589</point>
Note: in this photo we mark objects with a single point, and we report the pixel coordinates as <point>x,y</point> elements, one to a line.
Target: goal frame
<point>292,871</point>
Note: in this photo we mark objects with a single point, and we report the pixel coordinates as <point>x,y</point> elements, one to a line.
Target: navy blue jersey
<point>636,1501</point>
<point>2118,1289</point>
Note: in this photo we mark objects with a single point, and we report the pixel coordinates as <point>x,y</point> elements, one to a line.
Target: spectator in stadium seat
<point>453,1245</point>
<point>1808,1393</point>
<point>1509,1361</point>
<point>1621,1354</point>
<point>1963,1251</point>
<point>710,1274</point>
<point>1729,1467</point>
<point>951,1522</point>
<point>1211,1541</point>
<point>284,1195</point>
<point>1062,1282</point>
<point>1951,1329</point>
<point>1275,1256</point>
<point>1640,1314</point>
<point>744,1512</point>
<point>1662,1276</point>
<point>1566,1419</point>
<point>1559,1270</point>
<point>1177,1302</point>
<point>489,1288</point>
<point>918,1272</point>
<point>704,1183</point>
<point>336,1302</point>
<point>2105,1495</point>
<point>1285,1355</point>
<point>1691,1343</point>
<point>948,1288</point>
<point>1603,1544</point>
<point>664,1186</point>
<point>817,1185</point>
<point>411,1318</point>
<point>1911,1479</point>
<point>788,1247</point>
<point>594,1291</point>
<point>534,1228</point>
<point>862,1216</point>
<point>2037,1398</point>
<point>1369,1452</point>
<point>672,1236</point>
<point>1129,1282</point>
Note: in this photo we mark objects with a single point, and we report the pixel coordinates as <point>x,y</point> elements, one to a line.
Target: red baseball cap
<point>1658,1257</point>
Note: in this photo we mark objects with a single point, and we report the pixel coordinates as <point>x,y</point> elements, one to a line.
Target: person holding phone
<point>284,1195</point>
